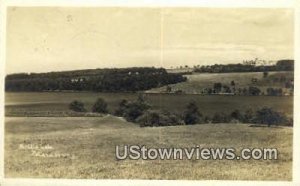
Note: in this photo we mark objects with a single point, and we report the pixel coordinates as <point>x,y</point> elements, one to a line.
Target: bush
<point>254,91</point>
<point>100,106</point>
<point>192,115</point>
<point>268,116</point>
<point>274,92</point>
<point>217,87</point>
<point>289,122</point>
<point>237,115</point>
<point>122,107</point>
<point>77,106</point>
<point>249,116</point>
<point>152,118</point>
<point>220,118</point>
<point>207,119</point>
<point>132,110</point>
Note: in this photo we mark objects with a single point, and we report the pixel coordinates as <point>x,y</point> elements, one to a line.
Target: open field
<point>197,81</point>
<point>84,147</point>
<point>88,148</point>
<point>56,103</point>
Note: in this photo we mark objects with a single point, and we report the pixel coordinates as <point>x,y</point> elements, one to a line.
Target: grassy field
<point>87,149</point>
<point>197,81</point>
<point>84,147</point>
<point>56,104</point>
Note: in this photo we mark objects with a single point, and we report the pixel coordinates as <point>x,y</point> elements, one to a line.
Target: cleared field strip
<point>198,81</point>
<point>208,105</point>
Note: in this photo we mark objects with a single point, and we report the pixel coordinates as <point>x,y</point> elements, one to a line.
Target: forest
<point>99,80</point>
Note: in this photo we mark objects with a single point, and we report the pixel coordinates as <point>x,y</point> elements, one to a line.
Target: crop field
<point>56,103</point>
<point>197,81</point>
<point>84,147</point>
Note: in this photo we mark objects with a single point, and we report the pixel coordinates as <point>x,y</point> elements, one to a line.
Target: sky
<point>43,39</point>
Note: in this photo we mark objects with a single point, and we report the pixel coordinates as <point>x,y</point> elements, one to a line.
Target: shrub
<point>132,110</point>
<point>232,83</point>
<point>290,121</point>
<point>274,92</point>
<point>192,115</point>
<point>254,91</point>
<point>249,116</point>
<point>237,115</point>
<point>77,106</point>
<point>226,89</point>
<point>220,117</point>
<point>207,119</point>
<point>268,116</point>
<point>100,106</point>
<point>217,87</point>
<point>153,118</point>
<point>122,107</point>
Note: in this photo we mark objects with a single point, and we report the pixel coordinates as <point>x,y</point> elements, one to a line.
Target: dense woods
<point>101,80</point>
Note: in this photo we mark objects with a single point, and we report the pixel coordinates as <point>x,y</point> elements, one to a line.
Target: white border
<point>296,132</point>
<point>295,4</point>
<point>158,3</point>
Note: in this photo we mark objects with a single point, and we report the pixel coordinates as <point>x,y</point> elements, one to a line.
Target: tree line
<point>219,88</point>
<point>141,112</point>
<point>101,80</point>
<point>281,65</point>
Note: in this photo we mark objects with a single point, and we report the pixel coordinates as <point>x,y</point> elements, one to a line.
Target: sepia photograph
<point>149,93</point>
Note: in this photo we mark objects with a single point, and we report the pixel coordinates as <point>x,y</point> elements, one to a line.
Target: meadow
<point>84,147</point>
<point>56,103</point>
<point>198,81</point>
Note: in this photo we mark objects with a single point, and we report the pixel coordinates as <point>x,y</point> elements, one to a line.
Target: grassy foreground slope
<point>88,145</point>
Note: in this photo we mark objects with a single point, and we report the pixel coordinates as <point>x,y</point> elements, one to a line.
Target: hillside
<point>85,148</point>
<point>99,80</point>
<point>196,82</point>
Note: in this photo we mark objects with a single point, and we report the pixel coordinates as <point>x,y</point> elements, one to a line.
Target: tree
<point>274,91</point>
<point>141,98</point>
<point>153,118</point>
<point>285,65</point>
<point>122,107</point>
<point>289,84</point>
<point>226,89</point>
<point>101,80</point>
<point>249,116</point>
<point>254,91</point>
<point>268,116</point>
<point>192,114</point>
<point>100,106</point>
<point>77,106</point>
<point>237,115</point>
<point>169,89</point>
<point>265,74</point>
<point>220,117</point>
<point>232,83</point>
<point>245,91</point>
<point>132,110</point>
<point>217,87</point>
